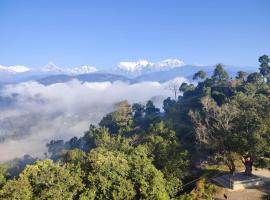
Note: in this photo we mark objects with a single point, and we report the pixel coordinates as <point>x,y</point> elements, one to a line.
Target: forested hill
<point>137,152</point>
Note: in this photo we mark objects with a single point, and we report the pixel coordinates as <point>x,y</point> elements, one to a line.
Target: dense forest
<point>141,152</point>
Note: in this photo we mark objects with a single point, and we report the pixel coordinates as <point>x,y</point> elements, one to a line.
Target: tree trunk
<point>232,168</point>
<point>248,167</point>
<point>231,165</point>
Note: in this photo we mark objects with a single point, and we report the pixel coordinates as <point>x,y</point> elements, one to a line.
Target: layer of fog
<point>34,114</point>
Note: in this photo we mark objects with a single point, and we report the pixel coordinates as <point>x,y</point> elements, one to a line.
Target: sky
<point>103,33</point>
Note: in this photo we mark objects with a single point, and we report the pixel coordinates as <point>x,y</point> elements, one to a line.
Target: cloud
<point>37,114</point>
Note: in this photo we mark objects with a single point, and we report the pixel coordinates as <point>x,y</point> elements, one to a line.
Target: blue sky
<point>104,32</point>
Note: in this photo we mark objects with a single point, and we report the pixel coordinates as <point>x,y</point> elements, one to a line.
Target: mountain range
<point>132,72</point>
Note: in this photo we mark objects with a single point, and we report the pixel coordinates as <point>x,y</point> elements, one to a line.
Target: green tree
<point>241,75</point>
<point>109,175</point>
<point>167,154</point>
<point>114,174</point>
<point>138,110</point>
<point>52,181</point>
<point>200,74</point>
<point>19,189</point>
<point>119,120</point>
<point>152,114</point>
<point>75,163</point>
<point>148,180</point>
<point>238,129</point>
<point>214,126</point>
<point>186,87</point>
<point>220,74</point>
<point>3,175</point>
<point>265,67</point>
<point>251,137</point>
<point>255,78</point>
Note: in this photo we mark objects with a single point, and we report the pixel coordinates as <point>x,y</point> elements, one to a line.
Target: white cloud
<point>63,110</point>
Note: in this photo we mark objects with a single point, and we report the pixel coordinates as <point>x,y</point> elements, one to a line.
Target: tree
<point>116,174</point>
<point>52,181</point>
<point>19,189</point>
<point>168,104</point>
<point>109,175</point>
<point>220,74</point>
<point>251,136</point>
<point>238,129</point>
<point>138,113</point>
<point>255,78</point>
<point>152,114</point>
<point>200,74</point>
<point>186,87</point>
<point>75,162</point>
<point>119,120</point>
<point>265,67</point>
<point>167,154</point>
<point>3,176</point>
<point>174,87</point>
<point>214,126</point>
<point>148,180</point>
<point>241,75</point>
<point>56,148</point>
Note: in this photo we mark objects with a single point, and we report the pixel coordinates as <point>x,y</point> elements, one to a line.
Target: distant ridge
<point>132,72</point>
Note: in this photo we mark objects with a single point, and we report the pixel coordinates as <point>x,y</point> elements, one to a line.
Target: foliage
<point>167,154</point>
<point>120,119</point>
<point>186,87</point>
<point>265,67</point>
<point>19,189</point>
<point>255,78</point>
<point>200,74</point>
<point>3,174</point>
<point>220,74</point>
<point>241,75</point>
<point>141,152</point>
<point>203,190</point>
<point>109,175</point>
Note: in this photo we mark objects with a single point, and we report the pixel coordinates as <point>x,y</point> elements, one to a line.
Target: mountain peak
<point>83,70</point>
<point>144,66</point>
<point>14,69</point>
<point>51,67</point>
<point>133,66</point>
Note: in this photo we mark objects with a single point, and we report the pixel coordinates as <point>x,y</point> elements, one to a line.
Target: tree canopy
<point>140,151</point>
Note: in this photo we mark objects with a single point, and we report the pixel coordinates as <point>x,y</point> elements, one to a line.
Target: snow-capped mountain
<point>124,68</point>
<point>52,68</point>
<point>143,66</point>
<point>49,68</point>
<point>132,72</point>
<point>19,73</point>
<point>82,70</point>
<point>13,69</point>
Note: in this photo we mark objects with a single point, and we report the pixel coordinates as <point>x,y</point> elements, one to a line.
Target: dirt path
<point>256,193</point>
<point>247,194</point>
